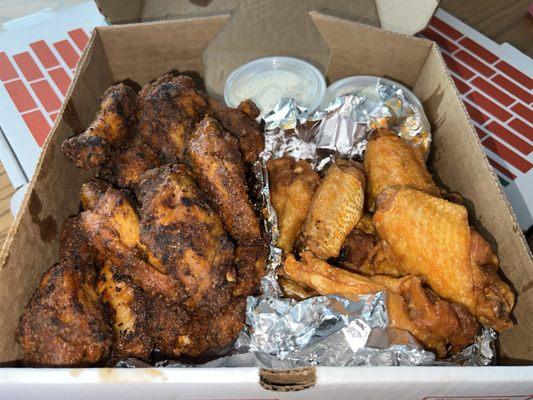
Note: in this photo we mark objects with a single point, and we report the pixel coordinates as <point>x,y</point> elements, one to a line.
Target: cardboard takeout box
<point>142,52</point>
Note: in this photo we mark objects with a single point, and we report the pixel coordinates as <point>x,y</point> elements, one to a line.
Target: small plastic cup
<point>268,79</point>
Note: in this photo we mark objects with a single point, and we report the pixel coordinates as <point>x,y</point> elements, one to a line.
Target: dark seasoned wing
<point>182,231</point>
<point>171,107</point>
<point>241,123</point>
<point>217,166</point>
<point>112,127</point>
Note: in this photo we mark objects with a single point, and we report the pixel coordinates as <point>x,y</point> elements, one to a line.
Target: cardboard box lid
<point>271,27</point>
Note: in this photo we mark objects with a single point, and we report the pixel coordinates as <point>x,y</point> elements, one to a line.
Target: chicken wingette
<point>436,323</point>
<point>432,239</point>
<point>292,185</point>
<point>217,165</point>
<point>336,208</point>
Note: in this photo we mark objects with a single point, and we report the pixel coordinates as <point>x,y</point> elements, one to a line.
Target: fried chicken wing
<point>438,324</point>
<point>241,123</point>
<point>217,166</point>
<point>292,185</point>
<point>390,161</point>
<point>185,234</point>
<point>112,127</point>
<point>433,240</point>
<point>171,107</point>
<point>335,209</point>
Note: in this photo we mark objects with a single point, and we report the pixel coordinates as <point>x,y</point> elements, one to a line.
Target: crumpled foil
<point>330,330</point>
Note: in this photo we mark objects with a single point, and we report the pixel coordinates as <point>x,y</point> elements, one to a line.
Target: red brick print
<point>38,125</point>
<point>61,79</point>
<point>489,106</point>
<point>480,132</point>
<point>67,53</point>
<point>510,138</point>
<point>515,74</point>
<point>473,62</point>
<point>440,40</point>
<point>522,128</point>
<point>493,91</point>
<point>44,54</point>
<point>53,116</point>
<point>478,50</point>
<point>475,114</point>
<point>20,96</point>
<point>46,95</point>
<point>29,69</point>
<point>7,71</point>
<point>523,111</point>
<point>513,88</point>
<point>79,37</point>
<point>457,67</point>
<point>461,86</point>
<point>445,28</point>
<point>507,154</point>
<point>502,169</point>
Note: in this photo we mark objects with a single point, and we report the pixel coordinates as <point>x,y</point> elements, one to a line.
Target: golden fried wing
<point>217,166</point>
<point>433,240</point>
<point>336,207</point>
<point>390,161</point>
<point>292,185</point>
<point>112,126</point>
<point>438,324</point>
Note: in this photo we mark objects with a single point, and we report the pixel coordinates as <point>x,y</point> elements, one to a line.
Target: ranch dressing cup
<point>268,79</point>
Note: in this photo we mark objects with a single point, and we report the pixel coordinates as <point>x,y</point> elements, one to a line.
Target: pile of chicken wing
<point>168,245</point>
<point>384,225</point>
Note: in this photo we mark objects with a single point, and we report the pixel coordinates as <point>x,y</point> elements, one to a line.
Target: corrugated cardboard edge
<point>291,380</point>
<point>16,221</point>
<point>133,11</point>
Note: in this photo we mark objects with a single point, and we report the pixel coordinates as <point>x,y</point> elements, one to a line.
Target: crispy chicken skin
<point>335,209</point>
<point>111,128</point>
<point>171,107</point>
<point>240,122</point>
<point>217,166</point>
<point>64,323</point>
<point>184,234</point>
<point>390,161</point>
<point>438,324</point>
<point>433,240</point>
<point>292,185</point>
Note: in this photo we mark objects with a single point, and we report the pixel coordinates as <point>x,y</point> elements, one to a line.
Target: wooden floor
<point>500,20</point>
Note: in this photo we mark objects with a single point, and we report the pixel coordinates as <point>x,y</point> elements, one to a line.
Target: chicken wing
<point>292,185</point>
<point>433,240</point>
<point>241,123</point>
<point>113,125</point>
<point>335,209</point>
<point>171,108</point>
<point>438,324</point>
<point>185,234</point>
<point>390,161</point>
<point>217,166</point>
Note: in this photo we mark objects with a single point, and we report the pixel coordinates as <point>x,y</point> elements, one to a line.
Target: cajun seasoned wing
<point>433,240</point>
<point>438,324</point>
<point>336,207</point>
<point>250,260</point>
<point>185,235</point>
<point>390,161</point>
<point>292,185</point>
<point>171,108</point>
<point>64,323</point>
<point>241,123</point>
<point>114,124</point>
<point>217,166</point>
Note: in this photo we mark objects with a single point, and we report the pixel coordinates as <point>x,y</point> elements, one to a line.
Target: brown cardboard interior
<point>142,52</point>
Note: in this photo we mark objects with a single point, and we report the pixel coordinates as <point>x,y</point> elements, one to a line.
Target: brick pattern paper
<point>38,57</point>
<point>495,83</point>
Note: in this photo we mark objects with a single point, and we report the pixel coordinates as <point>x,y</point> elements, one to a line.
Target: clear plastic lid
<point>268,79</point>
